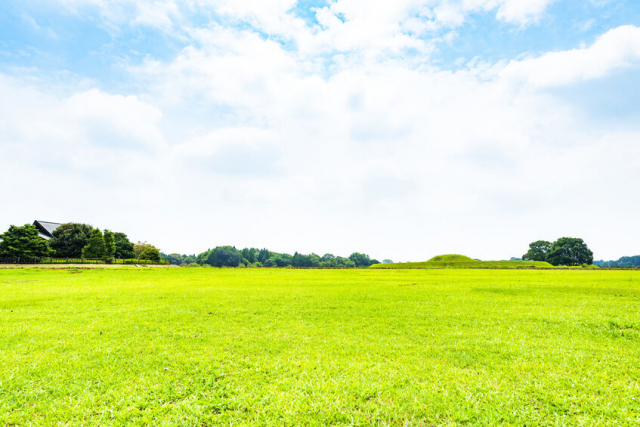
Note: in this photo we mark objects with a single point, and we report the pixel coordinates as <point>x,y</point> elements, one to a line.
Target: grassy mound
<point>461,261</point>
<point>452,258</point>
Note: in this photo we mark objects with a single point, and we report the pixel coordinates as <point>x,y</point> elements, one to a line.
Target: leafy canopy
<point>69,240</point>
<point>538,251</point>
<point>109,244</point>
<point>223,256</point>
<point>23,242</point>
<point>150,253</point>
<point>229,256</point>
<point>569,251</point>
<point>96,247</point>
<point>124,247</point>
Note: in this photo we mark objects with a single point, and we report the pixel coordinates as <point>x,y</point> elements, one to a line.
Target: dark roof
<point>46,228</point>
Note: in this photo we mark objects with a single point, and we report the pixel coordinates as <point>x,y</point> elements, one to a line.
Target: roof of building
<point>46,228</point>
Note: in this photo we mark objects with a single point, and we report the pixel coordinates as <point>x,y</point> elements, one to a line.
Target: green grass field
<point>461,261</point>
<point>203,347</point>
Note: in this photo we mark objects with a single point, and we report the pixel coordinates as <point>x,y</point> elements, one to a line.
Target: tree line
<point>624,262</point>
<point>229,256</point>
<point>567,251</point>
<point>73,240</point>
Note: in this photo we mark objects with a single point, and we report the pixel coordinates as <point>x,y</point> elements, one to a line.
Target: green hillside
<point>452,258</point>
<point>461,261</point>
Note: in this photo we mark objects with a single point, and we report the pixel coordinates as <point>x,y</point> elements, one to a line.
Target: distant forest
<point>229,256</point>
<point>624,262</point>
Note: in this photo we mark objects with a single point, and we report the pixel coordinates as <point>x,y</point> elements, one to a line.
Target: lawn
<point>203,346</point>
<point>461,261</point>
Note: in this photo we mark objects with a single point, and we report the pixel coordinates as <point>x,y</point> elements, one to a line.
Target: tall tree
<point>569,251</point>
<point>23,242</point>
<point>299,260</point>
<point>538,251</point>
<point>69,239</point>
<point>124,247</point>
<point>96,247</point>
<point>109,244</point>
<point>263,255</point>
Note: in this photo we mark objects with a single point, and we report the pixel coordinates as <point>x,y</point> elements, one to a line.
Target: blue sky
<point>53,38</point>
<point>326,126</point>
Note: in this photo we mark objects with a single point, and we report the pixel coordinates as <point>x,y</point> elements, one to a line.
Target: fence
<point>81,261</point>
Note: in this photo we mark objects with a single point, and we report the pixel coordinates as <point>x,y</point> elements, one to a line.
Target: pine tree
<point>96,247</point>
<point>109,243</point>
<point>23,242</point>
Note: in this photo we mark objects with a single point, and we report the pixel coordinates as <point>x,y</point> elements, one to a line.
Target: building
<point>45,228</point>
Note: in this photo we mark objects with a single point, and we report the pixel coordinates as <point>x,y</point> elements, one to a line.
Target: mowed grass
<point>461,261</point>
<point>319,347</point>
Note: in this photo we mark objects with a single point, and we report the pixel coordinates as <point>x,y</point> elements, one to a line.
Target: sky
<point>402,129</point>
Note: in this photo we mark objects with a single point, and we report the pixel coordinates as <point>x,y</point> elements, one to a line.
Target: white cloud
<point>345,25</point>
<point>522,11</point>
<point>378,146</point>
<point>159,14</point>
<point>617,49</point>
<point>87,130</point>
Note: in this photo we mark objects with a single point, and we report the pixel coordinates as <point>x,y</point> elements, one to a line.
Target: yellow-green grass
<point>461,261</point>
<point>203,347</point>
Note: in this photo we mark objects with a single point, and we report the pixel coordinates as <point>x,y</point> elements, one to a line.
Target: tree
<point>69,239</point>
<point>270,263</point>
<point>175,259</point>
<point>361,260</point>
<point>538,251</point>
<point>387,261</point>
<point>300,260</point>
<point>349,264</point>
<point>313,260</point>
<point>124,247</point>
<point>150,253</point>
<point>342,262</point>
<point>224,256</point>
<point>140,247</point>
<point>284,260</point>
<point>188,259</point>
<point>263,255</point>
<point>23,242</point>
<point>570,251</point>
<point>328,261</point>
<point>109,244</point>
<point>629,261</point>
<point>202,258</point>
<point>249,254</point>
<point>96,247</point>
